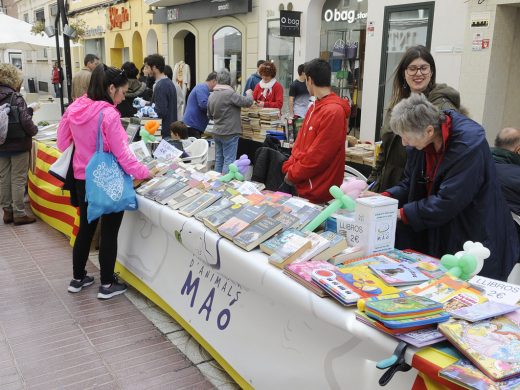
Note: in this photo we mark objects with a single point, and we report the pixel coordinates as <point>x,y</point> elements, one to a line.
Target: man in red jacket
<point>317,160</point>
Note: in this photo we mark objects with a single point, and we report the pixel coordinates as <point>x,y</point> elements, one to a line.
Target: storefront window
<point>404,26</point>
<point>280,50</point>
<point>342,43</point>
<point>95,46</point>
<point>227,53</point>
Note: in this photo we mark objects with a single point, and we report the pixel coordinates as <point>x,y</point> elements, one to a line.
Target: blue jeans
<point>225,152</point>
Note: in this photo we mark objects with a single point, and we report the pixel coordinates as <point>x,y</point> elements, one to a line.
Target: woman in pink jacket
<point>79,125</point>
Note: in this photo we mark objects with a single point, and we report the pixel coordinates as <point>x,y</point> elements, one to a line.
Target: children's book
<point>429,266</point>
<point>492,345</point>
<point>439,289</point>
<point>483,311</point>
<point>398,274</point>
<point>403,307</point>
<point>464,297</point>
<point>271,245</point>
<point>337,244</point>
<point>405,323</point>
<point>465,374</point>
<point>364,282</point>
<point>292,248</point>
<point>257,233</point>
<point>239,222</point>
<point>422,337</point>
<point>327,280</point>
<point>302,273</point>
<point>360,316</point>
<point>368,260</point>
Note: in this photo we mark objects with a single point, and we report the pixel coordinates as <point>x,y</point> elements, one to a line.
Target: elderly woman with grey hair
<point>449,193</point>
<point>224,108</point>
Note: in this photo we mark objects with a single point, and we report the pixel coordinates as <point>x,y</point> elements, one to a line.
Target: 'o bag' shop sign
<point>346,15</point>
<point>290,23</point>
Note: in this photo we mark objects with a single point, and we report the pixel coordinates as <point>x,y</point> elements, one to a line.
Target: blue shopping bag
<point>108,188</point>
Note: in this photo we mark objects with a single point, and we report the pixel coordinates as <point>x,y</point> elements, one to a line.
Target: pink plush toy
<point>353,187</point>
<point>243,164</point>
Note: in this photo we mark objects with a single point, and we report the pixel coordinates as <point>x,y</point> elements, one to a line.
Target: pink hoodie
<point>79,125</point>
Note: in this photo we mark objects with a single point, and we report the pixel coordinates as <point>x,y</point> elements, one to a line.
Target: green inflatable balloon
<point>341,201</point>
<point>146,136</point>
<point>232,174</point>
<point>461,267</point>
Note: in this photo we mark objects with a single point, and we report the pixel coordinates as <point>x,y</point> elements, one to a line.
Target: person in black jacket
<point>15,151</point>
<point>136,88</point>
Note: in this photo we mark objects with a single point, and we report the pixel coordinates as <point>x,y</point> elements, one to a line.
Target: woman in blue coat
<point>450,193</point>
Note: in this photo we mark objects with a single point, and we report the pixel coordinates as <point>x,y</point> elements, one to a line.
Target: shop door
<point>404,26</point>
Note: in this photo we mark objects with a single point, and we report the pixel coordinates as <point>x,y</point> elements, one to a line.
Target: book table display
<point>265,329</point>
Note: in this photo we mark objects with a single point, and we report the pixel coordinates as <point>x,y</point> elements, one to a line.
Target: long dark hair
<point>400,88</point>
<point>102,77</point>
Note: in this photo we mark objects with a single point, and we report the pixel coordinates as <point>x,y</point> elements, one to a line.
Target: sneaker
<point>75,286</point>
<point>116,288</point>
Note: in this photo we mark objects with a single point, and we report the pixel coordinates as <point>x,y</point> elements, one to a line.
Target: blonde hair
<point>11,76</point>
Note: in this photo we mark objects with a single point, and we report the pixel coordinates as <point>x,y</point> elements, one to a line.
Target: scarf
<point>267,87</point>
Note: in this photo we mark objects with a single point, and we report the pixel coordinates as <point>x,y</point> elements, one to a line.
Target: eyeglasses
<point>412,69</point>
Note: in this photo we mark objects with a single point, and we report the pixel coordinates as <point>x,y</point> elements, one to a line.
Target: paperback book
<point>204,201</point>
<point>240,221</point>
<point>257,233</point>
<point>271,245</point>
<point>293,247</point>
<point>337,244</point>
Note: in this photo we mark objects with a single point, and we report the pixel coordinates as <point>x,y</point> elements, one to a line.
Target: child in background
<point>179,137</point>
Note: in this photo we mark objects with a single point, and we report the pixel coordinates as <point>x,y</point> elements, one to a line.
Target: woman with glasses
<point>450,193</point>
<point>79,125</point>
<point>415,73</point>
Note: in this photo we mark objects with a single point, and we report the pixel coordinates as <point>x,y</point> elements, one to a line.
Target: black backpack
<point>15,129</point>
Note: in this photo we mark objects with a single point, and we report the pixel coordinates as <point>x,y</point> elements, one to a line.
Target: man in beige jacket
<point>81,80</point>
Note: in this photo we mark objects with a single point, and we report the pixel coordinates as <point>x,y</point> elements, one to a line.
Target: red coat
<point>274,99</point>
<point>317,160</point>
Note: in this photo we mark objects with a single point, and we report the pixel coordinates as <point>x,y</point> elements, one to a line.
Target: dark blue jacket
<point>196,114</point>
<point>466,202</point>
<point>251,82</point>
<point>165,99</point>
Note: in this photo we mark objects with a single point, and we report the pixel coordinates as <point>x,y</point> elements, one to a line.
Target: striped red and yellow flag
<point>48,201</point>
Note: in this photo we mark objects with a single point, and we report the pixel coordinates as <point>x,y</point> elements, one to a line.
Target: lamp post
<point>67,33</point>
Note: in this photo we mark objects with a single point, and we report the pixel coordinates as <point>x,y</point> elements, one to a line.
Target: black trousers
<point>110,224</point>
<point>194,132</point>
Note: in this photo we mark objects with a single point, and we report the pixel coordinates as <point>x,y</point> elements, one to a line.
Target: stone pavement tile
<point>161,320</point>
<point>8,375</point>
<point>217,376</point>
<point>78,380</point>
<point>189,346</point>
<point>17,385</point>
<point>187,379</point>
<point>127,351</point>
<point>59,368</point>
<point>171,361</point>
<point>136,359</point>
<point>107,345</point>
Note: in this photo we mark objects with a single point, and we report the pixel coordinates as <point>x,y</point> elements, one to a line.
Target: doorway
<point>189,57</point>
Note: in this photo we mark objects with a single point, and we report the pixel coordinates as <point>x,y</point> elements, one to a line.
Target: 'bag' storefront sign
<point>290,23</point>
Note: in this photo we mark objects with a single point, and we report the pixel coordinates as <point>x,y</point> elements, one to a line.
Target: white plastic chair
<point>349,171</point>
<point>198,152</point>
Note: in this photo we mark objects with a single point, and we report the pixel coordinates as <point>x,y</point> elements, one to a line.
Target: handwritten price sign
<point>498,291</point>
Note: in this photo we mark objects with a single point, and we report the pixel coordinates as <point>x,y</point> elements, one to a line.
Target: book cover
<point>421,320</point>
<point>465,374</point>
<point>257,233</point>
<point>201,203</point>
<point>347,254</point>
<point>363,281</point>
<point>217,219</point>
<point>483,311</point>
<point>271,245</point>
<point>155,192</point>
<point>171,191</point>
<point>492,345</point>
<point>403,306</point>
<point>221,204</point>
<point>398,274</point>
<point>287,220</point>
<point>337,244</point>
<point>368,260</point>
<point>439,289</point>
<point>148,185</point>
<point>306,214</point>
<point>318,245</point>
<point>464,297</point>
<point>429,266</point>
<point>302,273</point>
<point>293,247</point>
<point>186,198</point>
<point>240,221</point>
<point>360,316</point>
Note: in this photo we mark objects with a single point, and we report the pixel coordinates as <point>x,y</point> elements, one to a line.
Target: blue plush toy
<point>143,109</point>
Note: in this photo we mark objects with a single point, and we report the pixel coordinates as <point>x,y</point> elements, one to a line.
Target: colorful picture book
<point>465,374</point>
<point>483,311</point>
<point>302,273</point>
<point>492,345</point>
<point>327,280</point>
<point>257,233</point>
<point>398,274</point>
<point>429,266</point>
<point>402,307</point>
<point>363,281</point>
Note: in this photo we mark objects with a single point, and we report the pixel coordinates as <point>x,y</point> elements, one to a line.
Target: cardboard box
<point>378,216</point>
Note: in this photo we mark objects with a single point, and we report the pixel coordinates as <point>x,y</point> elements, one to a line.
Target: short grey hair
<point>414,114</point>
<point>224,77</point>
